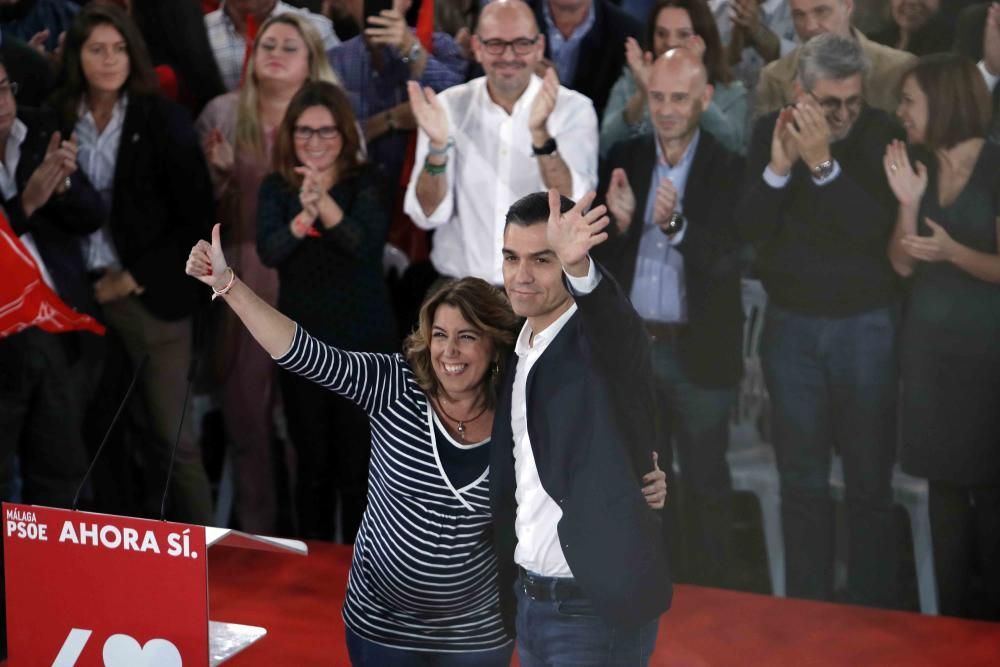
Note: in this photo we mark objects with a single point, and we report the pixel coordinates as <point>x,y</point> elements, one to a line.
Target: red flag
<point>425,24</point>
<point>25,299</point>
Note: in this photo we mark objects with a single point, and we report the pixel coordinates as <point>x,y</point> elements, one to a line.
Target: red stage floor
<point>298,600</point>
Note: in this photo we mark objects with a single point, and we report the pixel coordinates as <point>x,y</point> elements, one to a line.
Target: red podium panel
<point>94,589</point>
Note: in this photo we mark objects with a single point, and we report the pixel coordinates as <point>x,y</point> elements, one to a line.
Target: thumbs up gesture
<point>206,261</point>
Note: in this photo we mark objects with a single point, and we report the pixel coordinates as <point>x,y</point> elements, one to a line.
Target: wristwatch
<point>413,53</point>
<point>822,170</point>
<point>676,223</point>
<point>548,148</point>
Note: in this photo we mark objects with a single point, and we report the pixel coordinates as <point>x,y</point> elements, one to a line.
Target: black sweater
<point>822,249</point>
<point>332,285</point>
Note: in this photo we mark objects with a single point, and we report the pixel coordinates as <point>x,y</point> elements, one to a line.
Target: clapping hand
<point>571,235</point>
<point>665,204</point>
<point>784,150</point>
<point>908,185</point>
<point>218,152</point>
<point>50,176</point>
<point>545,101</point>
<point>938,247</point>
<point>811,133</point>
<point>620,199</point>
<point>429,112</point>
<point>745,14</point>
<point>206,261</point>
<point>639,62</point>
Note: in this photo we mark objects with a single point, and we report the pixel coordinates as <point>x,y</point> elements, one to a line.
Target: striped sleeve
<point>373,381</point>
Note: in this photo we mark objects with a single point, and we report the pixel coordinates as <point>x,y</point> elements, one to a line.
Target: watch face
<point>676,223</point>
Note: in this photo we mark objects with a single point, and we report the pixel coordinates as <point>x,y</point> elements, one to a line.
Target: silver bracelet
<point>440,151</point>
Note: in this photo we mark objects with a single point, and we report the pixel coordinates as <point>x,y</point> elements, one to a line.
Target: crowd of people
<point>847,158</point>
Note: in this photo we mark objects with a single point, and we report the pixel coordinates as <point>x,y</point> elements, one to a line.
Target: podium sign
<point>94,589</point>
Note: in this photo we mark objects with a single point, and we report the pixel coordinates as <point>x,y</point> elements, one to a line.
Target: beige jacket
<point>881,85</point>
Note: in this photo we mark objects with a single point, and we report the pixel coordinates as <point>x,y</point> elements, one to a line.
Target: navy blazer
<point>711,345</point>
<point>602,50</point>
<point>162,203</point>
<point>593,425</point>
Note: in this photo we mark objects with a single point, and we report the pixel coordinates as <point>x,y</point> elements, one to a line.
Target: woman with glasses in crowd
<point>947,242</point>
<point>322,222</point>
<point>237,132</point>
<point>677,24</point>
<point>141,153</point>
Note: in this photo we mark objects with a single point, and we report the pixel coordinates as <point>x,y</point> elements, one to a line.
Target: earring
<point>496,369</point>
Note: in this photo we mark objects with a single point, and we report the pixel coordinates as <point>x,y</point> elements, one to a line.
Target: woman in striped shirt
<point>422,587</point>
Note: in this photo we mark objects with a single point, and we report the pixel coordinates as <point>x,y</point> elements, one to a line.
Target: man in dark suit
<point>585,41</point>
<point>575,426</point>
<point>675,250</point>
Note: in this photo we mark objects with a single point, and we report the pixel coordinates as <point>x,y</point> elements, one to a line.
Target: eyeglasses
<point>327,132</point>
<point>8,88</point>
<point>521,46</point>
<point>851,105</point>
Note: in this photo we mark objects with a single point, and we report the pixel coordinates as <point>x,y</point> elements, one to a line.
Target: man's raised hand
<point>572,234</point>
<point>430,114</point>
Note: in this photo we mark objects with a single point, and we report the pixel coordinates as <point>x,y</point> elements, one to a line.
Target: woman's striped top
<point>424,574</point>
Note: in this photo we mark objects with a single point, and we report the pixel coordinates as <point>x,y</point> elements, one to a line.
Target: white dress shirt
<point>97,155</point>
<point>538,549</point>
<point>8,188</point>
<point>491,166</point>
<point>229,46</point>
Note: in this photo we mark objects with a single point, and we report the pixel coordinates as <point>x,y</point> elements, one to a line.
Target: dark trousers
<point>366,653</point>
<point>164,385</point>
<point>697,418</point>
<point>332,443</point>
<point>562,632</point>
<point>965,531</point>
<point>832,383</point>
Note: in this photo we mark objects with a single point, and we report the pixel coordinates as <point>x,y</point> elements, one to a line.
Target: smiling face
<point>460,353</point>
<point>673,29</point>
<point>912,111</point>
<point>678,94</point>
<point>509,72</point>
<point>815,17</point>
<point>282,56</point>
<point>104,59</point>
<point>322,146</point>
<point>532,275</point>
<point>840,100</point>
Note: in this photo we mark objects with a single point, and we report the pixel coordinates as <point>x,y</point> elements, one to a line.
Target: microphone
<point>197,343</point>
<point>107,434</point>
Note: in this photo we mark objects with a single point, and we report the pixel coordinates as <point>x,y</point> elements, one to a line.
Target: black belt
<point>549,589</point>
<point>663,331</point>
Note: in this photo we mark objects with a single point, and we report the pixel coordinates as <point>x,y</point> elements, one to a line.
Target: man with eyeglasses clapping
<point>484,144</point>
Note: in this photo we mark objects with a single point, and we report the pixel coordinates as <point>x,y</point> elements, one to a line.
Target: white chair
<point>751,458</point>
<point>911,493</point>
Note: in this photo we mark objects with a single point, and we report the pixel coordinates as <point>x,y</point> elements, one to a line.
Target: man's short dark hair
<point>533,209</point>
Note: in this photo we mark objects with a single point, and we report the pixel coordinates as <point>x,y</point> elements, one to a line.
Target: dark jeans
<point>332,442</point>
<point>697,418</point>
<point>965,530</point>
<point>365,653</point>
<point>569,632</point>
<point>833,387</point>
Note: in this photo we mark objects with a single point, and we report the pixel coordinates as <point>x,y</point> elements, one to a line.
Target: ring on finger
<point>893,166</point>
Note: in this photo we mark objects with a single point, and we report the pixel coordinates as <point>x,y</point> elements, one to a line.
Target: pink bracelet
<point>216,293</point>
